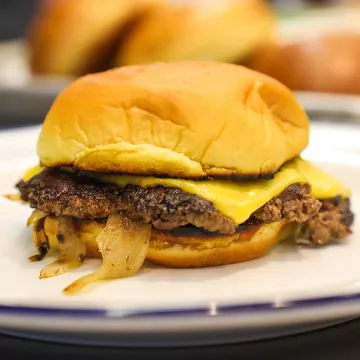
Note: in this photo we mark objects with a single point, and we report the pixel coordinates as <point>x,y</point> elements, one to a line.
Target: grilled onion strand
<point>123,244</point>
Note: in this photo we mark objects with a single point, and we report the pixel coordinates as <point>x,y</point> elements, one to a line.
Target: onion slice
<point>123,244</point>
<point>13,197</point>
<point>72,250</point>
<point>40,240</point>
<point>35,216</point>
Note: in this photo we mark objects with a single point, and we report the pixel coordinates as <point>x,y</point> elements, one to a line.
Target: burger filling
<point>128,207</point>
<point>59,193</point>
<point>62,194</point>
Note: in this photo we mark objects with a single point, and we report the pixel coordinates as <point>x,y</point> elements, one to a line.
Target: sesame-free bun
<point>183,252</point>
<point>226,30</point>
<point>323,63</point>
<point>187,120</point>
<point>187,251</point>
<point>72,37</point>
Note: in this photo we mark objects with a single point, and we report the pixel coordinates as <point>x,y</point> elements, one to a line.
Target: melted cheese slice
<point>238,199</point>
<point>30,173</point>
<point>323,185</point>
<point>235,199</point>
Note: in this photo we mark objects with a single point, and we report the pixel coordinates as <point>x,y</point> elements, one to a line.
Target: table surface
<point>338,342</point>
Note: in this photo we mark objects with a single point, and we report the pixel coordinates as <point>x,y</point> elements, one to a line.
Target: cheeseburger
<point>188,164</point>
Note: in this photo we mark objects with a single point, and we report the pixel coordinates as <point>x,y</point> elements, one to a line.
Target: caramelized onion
<point>40,240</point>
<point>72,250</point>
<point>13,197</point>
<point>123,244</point>
<point>35,216</point>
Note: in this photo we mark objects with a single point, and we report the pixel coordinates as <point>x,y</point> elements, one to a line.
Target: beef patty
<point>65,194</point>
<point>332,222</point>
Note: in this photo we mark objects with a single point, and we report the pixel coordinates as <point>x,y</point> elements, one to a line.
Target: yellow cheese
<point>30,173</point>
<point>323,185</point>
<point>238,199</point>
<point>235,199</point>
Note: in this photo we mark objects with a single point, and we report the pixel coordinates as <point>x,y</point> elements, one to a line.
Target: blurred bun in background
<point>69,37</point>
<point>227,31</point>
<point>328,62</point>
<point>318,51</point>
<point>75,37</point>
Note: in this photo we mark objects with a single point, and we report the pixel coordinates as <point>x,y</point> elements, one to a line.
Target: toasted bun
<point>73,37</point>
<point>225,249</point>
<point>189,120</point>
<point>226,30</point>
<point>167,249</point>
<point>325,63</point>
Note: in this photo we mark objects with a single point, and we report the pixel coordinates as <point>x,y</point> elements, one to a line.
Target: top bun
<point>226,30</point>
<point>187,120</point>
<point>72,37</point>
<point>325,63</point>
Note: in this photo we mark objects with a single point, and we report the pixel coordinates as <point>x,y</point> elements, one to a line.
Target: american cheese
<point>30,173</point>
<point>323,185</point>
<point>235,199</point>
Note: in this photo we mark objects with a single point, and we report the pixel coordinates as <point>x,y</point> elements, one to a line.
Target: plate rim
<point>210,310</point>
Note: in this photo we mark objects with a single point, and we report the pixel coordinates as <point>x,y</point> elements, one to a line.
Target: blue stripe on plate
<point>211,310</point>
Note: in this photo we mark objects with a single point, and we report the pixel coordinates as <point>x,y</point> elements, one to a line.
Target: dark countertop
<point>339,342</point>
<point>15,16</point>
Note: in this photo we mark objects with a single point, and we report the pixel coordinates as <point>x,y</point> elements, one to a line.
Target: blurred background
<point>313,47</point>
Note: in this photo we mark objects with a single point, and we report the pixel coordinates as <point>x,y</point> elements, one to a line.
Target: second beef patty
<point>65,194</point>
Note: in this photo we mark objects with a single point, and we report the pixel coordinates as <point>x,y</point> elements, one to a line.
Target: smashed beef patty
<point>66,194</point>
<point>332,222</point>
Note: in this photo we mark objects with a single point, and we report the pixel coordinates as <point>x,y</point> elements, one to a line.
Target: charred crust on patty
<point>237,177</point>
<point>193,231</point>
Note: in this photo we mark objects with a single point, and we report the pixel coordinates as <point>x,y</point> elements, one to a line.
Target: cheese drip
<point>30,173</point>
<point>323,185</point>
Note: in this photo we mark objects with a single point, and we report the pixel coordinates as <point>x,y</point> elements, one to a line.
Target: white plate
<point>292,289</point>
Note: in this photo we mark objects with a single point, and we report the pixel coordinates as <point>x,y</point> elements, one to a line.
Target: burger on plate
<point>187,164</point>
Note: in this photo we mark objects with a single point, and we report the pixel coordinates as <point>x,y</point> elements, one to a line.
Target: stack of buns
<point>227,31</point>
<point>77,37</point>
<point>74,38</point>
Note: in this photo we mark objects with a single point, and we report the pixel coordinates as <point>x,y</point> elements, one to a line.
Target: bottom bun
<point>188,250</point>
<point>220,250</point>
